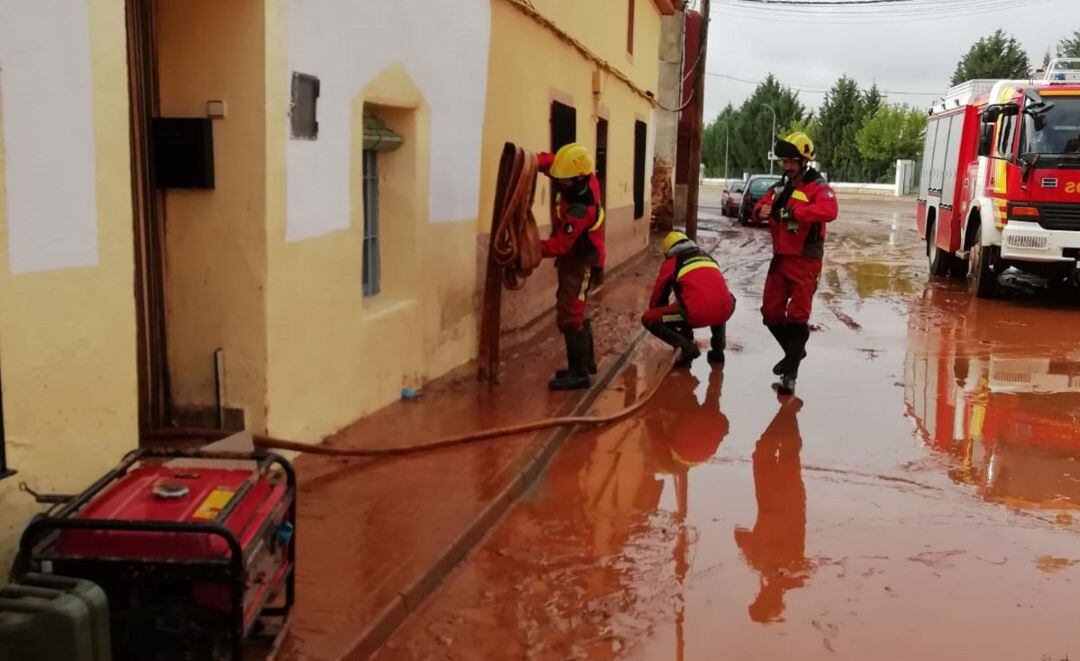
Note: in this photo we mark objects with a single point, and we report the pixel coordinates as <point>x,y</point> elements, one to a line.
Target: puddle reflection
<point>776,546</point>
<point>997,388</point>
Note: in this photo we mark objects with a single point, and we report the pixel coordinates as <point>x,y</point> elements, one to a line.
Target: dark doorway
<point>640,131</point>
<point>563,132</point>
<point>601,158</point>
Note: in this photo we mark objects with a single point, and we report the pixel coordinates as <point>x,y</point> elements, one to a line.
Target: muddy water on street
<point>918,499</point>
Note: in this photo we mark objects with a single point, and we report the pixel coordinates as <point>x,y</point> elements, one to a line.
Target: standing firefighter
<point>797,209</point>
<point>702,299</point>
<point>577,244</point>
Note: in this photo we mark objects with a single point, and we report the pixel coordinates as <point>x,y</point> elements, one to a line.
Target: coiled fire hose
<point>516,240</point>
<point>515,248</point>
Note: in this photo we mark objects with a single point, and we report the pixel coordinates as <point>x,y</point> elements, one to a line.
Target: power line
<point>811,90</point>
<point>906,12</point>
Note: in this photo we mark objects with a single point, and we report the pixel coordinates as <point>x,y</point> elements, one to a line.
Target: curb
<point>379,630</point>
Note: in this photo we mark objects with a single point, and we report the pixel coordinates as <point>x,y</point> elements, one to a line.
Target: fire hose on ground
<point>514,253</point>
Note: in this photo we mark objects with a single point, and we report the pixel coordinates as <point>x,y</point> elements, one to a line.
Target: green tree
<point>838,120</point>
<point>1069,46</point>
<point>894,132</point>
<point>751,126</point>
<point>996,56</point>
<point>715,138</point>
<point>873,100</point>
<point>808,125</point>
<point>755,128</point>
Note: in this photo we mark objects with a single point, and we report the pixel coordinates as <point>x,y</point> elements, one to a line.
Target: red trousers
<point>789,289</point>
<point>572,294</point>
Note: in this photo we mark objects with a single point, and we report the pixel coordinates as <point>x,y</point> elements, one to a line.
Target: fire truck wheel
<point>983,279</point>
<point>940,260</point>
<point>959,268</point>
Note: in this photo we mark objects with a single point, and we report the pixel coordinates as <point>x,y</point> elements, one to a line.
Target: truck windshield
<point>1061,132</point>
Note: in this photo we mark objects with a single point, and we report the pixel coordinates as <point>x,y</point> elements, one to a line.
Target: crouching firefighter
<point>797,209</point>
<point>702,299</point>
<point>577,245</point>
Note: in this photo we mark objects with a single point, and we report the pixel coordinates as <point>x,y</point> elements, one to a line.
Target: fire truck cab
<point>1000,180</point>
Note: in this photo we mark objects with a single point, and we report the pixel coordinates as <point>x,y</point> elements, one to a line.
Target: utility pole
<point>693,189</point>
<point>772,138</point>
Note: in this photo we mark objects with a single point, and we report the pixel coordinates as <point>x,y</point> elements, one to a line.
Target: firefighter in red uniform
<point>577,244</point>
<point>797,209</point>
<point>702,299</point>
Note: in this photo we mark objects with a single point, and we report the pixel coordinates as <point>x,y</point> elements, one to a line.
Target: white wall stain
<point>45,84</point>
<point>444,48</point>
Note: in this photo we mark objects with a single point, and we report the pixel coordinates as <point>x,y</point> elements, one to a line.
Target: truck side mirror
<point>986,140</point>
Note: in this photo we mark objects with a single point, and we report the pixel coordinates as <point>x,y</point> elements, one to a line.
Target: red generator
<point>195,550</point>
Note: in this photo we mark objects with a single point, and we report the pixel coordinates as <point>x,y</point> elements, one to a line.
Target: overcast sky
<point>899,52</point>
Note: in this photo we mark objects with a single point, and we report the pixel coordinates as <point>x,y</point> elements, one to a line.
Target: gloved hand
<point>788,218</point>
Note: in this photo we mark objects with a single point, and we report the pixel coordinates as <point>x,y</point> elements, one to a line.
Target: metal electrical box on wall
<point>183,152</point>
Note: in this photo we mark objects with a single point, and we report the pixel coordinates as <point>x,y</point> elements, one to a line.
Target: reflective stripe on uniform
<point>599,221</point>
<point>694,265</point>
<point>669,318</point>
<point>583,294</point>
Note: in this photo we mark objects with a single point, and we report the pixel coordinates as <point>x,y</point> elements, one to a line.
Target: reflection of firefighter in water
<point>776,547</point>
<point>685,434</point>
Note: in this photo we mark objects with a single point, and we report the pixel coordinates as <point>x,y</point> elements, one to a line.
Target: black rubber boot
<point>576,377</point>
<point>797,336</point>
<point>590,363</point>
<point>779,331</point>
<point>688,351</point>
<point>718,344</point>
<point>787,338</point>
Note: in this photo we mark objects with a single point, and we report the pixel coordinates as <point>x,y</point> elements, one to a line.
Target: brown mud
<point>918,500</point>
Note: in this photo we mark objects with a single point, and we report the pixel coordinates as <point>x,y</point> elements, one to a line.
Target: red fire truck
<point>1000,181</point>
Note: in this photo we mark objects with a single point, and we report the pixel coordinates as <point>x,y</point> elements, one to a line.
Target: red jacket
<point>698,285</point>
<point>811,203</point>
<point>578,226</point>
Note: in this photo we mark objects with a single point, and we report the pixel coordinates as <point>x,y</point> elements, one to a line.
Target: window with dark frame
<point>378,138</point>
<point>640,135</point>
<point>601,158</point>
<point>302,111</point>
<point>563,132</point>
<point>630,28</point>
<point>371,280</point>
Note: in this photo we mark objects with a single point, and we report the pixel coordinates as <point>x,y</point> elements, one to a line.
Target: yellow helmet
<point>572,160</point>
<point>671,239</point>
<point>796,145</point>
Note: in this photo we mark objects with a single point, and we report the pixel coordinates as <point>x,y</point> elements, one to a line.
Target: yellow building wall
<point>602,26</point>
<point>528,69</point>
<point>335,356</point>
<point>216,246</point>
<point>67,337</point>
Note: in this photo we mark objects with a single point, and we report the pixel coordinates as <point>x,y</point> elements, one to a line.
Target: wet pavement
<point>374,537</point>
<point>917,500</point>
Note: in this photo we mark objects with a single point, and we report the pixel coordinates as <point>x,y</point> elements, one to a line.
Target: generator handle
<point>46,498</point>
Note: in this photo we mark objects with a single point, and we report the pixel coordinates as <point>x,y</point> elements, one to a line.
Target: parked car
<point>732,198</point>
<point>756,187</point>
